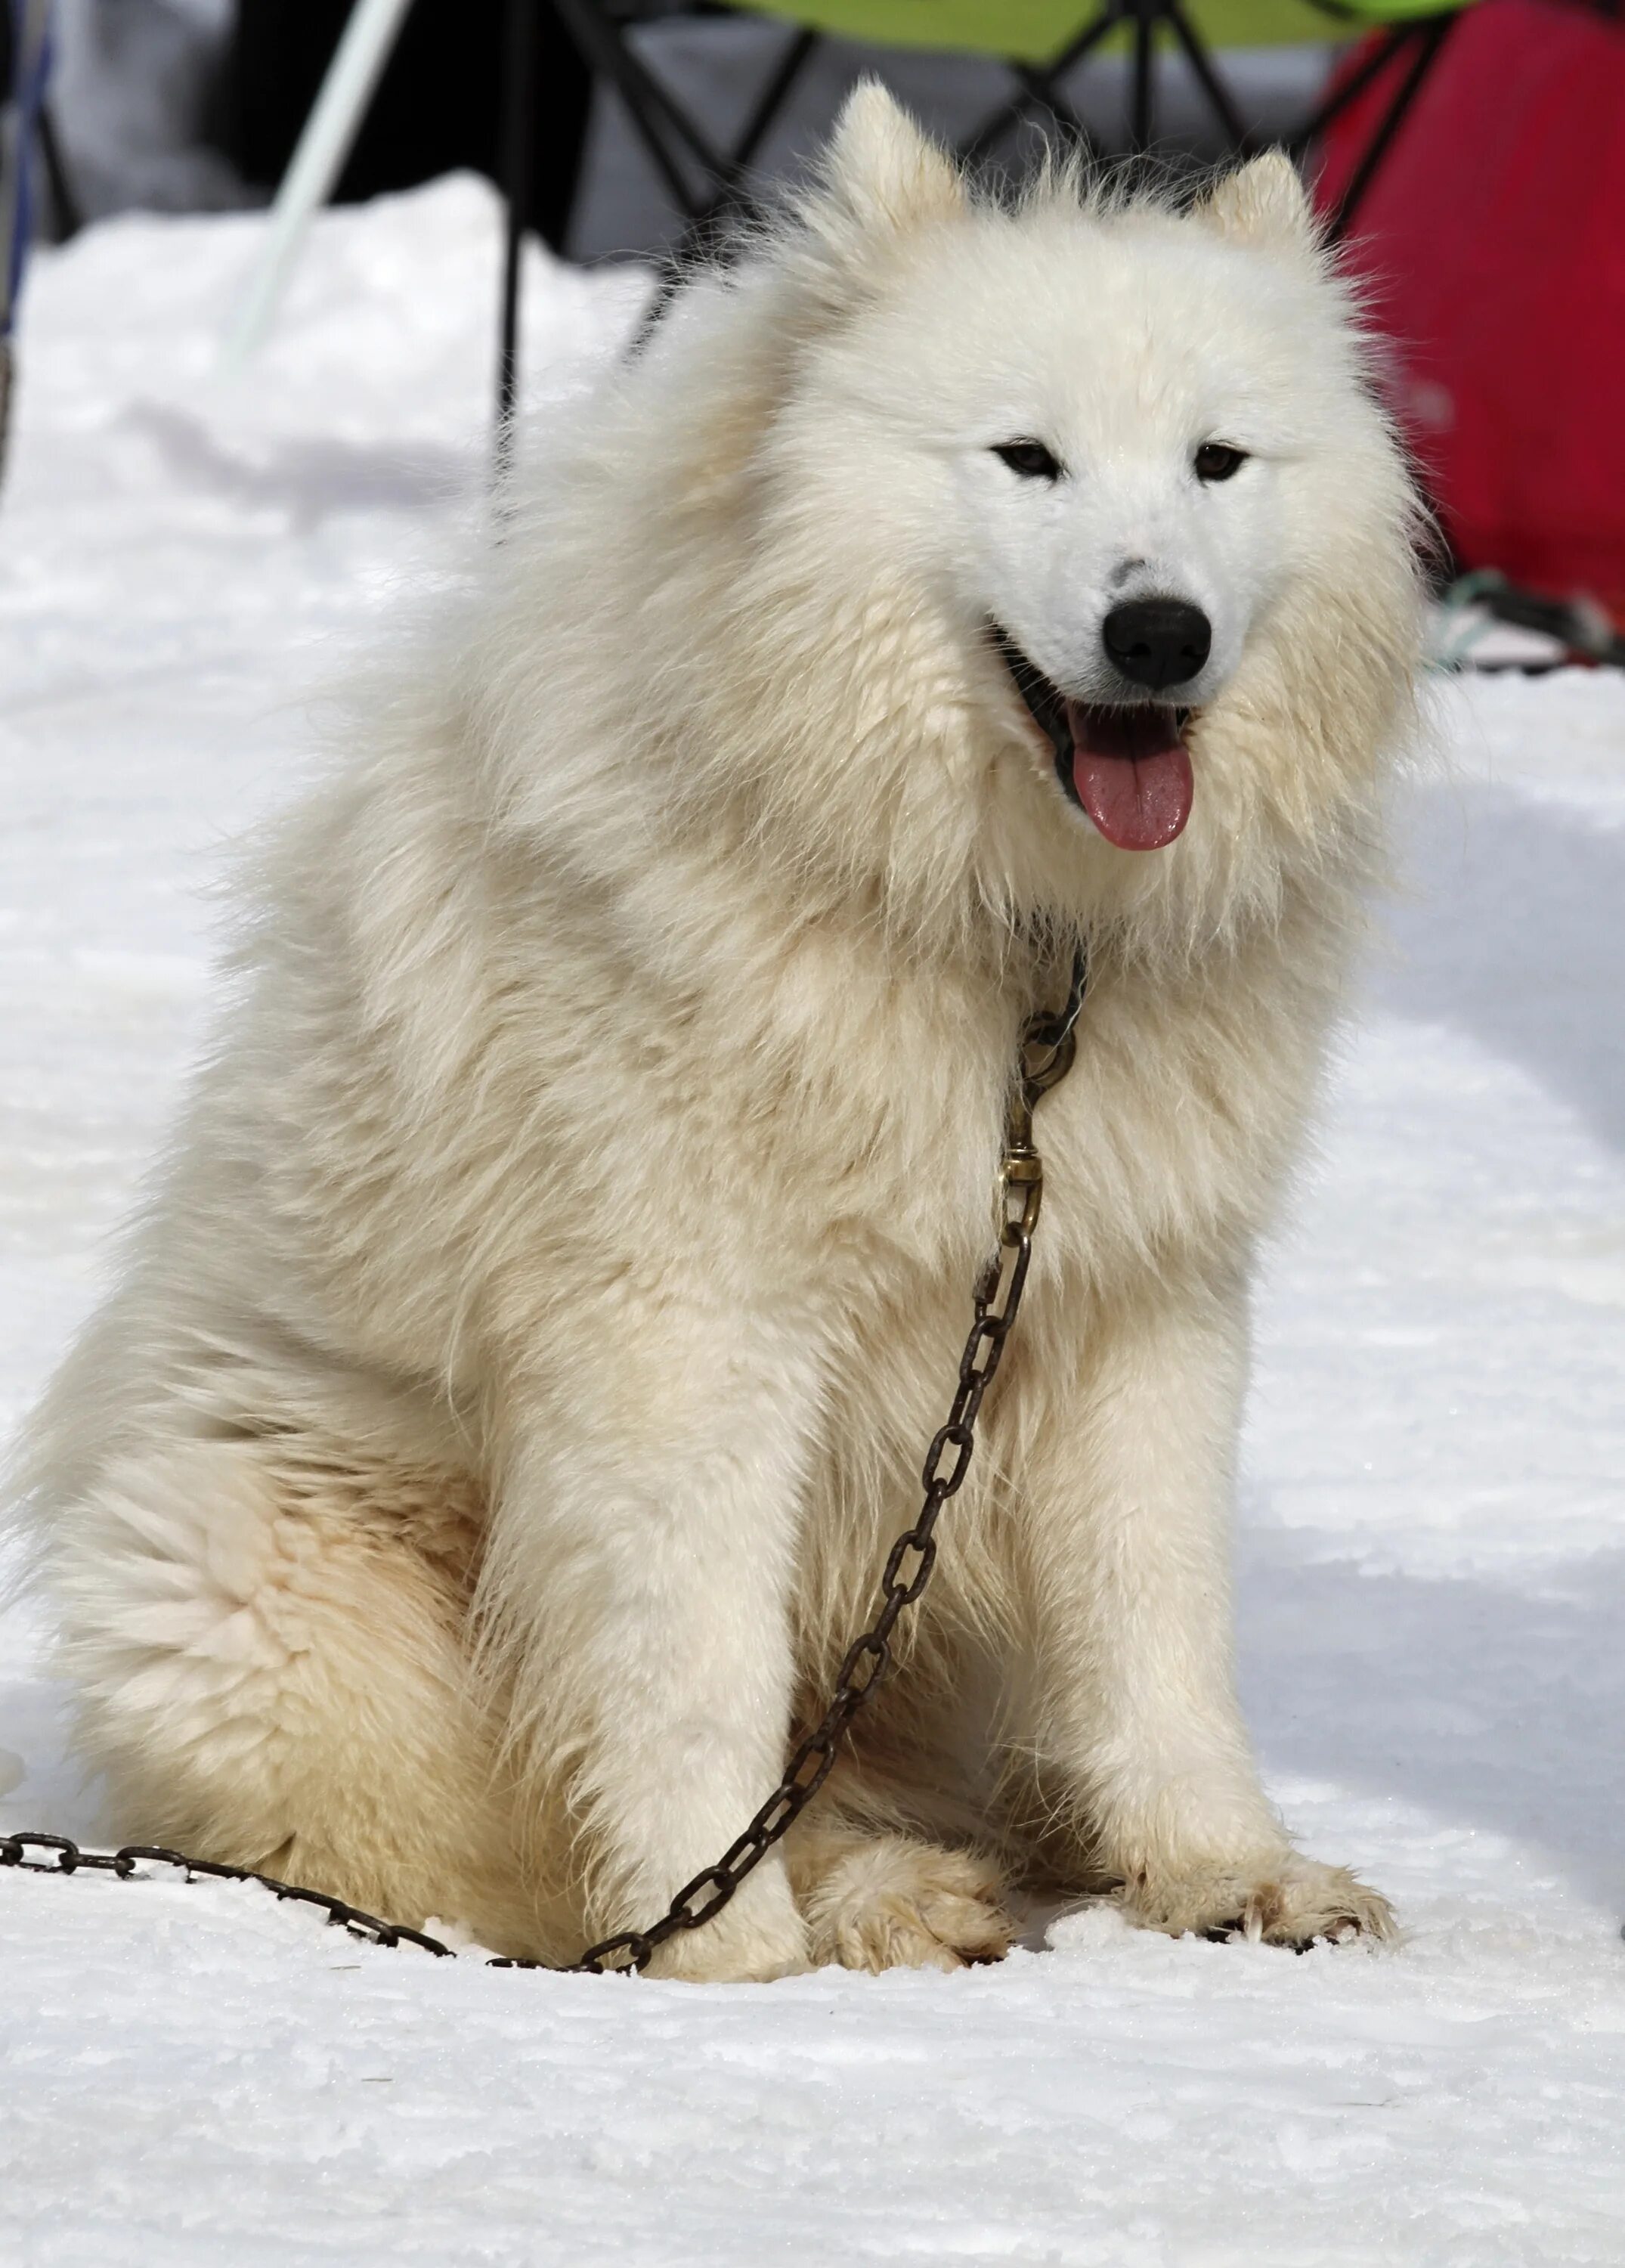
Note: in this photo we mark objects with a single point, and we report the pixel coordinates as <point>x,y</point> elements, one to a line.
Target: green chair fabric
<point>1036,31</point>
<point>1365,15</point>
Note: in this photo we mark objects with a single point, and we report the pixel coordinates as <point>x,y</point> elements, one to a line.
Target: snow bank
<point>1432,1558</point>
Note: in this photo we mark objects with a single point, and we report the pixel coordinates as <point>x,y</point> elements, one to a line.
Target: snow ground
<point>1432,1556</point>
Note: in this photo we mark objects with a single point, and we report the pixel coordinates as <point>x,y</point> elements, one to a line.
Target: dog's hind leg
<point>269,1644</point>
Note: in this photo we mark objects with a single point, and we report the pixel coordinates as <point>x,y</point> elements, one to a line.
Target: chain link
<point>1047,1046</point>
<point>60,1856</point>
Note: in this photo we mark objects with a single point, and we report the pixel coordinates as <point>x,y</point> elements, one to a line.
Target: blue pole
<point>31,54</point>
<point>30,51</point>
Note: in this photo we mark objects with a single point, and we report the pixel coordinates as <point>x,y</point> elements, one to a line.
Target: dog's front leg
<point>1127,1535</point>
<point>642,1561</point>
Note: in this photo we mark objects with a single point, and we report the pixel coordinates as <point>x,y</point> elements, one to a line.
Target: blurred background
<point>1471,157</point>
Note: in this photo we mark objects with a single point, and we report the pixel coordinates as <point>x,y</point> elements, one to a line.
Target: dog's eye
<point>1217,461</point>
<point>1031,459</point>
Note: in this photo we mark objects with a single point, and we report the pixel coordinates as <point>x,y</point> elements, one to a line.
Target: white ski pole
<point>329,137</point>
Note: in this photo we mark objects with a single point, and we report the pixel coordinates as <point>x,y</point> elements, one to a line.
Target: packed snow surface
<point>1431,1557</point>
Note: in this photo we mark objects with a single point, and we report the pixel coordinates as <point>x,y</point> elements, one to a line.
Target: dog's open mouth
<point>1126,765</point>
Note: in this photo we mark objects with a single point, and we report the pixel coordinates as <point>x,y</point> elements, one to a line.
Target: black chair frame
<point>708,184</point>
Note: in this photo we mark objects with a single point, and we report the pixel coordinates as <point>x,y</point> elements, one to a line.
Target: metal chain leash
<point>63,1856</point>
<point>1045,1054</point>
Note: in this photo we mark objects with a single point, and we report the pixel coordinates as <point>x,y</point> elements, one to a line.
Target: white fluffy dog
<point>526,1355</point>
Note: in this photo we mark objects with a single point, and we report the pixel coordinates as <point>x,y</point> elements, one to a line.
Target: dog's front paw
<point>757,1936</point>
<point>892,1903</point>
<point>1283,1900</point>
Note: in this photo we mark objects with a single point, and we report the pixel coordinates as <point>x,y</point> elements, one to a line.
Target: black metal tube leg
<point>771,100</point>
<point>1141,120</point>
<point>518,126</point>
<point>1430,36</point>
<point>1212,86</point>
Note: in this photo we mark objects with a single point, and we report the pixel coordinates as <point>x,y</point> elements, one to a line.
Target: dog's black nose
<point>1157,641</point>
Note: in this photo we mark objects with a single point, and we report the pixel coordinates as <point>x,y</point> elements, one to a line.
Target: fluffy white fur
<point>527,1353</point>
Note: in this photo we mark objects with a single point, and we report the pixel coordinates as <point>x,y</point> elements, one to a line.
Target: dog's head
<point>1079,546</point>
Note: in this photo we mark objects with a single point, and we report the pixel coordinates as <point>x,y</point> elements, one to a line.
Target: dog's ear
<point>883,177</point>
<point>1263,204</point>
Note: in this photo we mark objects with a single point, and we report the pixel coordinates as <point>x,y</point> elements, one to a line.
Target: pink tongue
<point>1132,773</point>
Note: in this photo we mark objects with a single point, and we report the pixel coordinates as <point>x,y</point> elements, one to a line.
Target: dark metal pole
<point>1039,89</point>
<point>656,112</point>
<point>1145,72</point>
<point>1349,91</point>
<point>769,102</point>
<point>1206,76</point>
<point>519,141</point>
<point>1430,34</point>
<point>66,218</point>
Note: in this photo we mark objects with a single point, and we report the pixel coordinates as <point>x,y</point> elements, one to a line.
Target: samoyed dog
<point>524,1359</point>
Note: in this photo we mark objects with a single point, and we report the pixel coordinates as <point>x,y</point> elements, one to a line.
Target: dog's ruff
<point>524,1357</point>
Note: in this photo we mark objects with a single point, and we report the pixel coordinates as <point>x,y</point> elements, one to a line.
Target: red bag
<point>1493,238</point>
